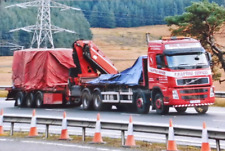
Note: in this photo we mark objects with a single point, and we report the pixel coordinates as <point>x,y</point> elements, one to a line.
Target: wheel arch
<point>155,90</point>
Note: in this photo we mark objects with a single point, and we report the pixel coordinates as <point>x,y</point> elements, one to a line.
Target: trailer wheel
<point>141,104</point>
<point>201,109</point>
<point>30,100</point>
<point>39,99</point>
<point>86,99</point>
<point>159,104</point>
<point>181,109</point>
<point>19,99</point>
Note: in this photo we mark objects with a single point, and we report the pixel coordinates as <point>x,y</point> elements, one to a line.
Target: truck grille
<point>192,97</point>
<point>192,81</point>
<point>193,91</point>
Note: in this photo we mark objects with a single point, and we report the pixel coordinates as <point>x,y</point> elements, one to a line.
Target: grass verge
<point>110,142</point>
<point>3,93</point>
<point>220,102</point>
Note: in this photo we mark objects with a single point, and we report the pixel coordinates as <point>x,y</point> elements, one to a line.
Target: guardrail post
<point>123,137</point>
<point>217,144</point>
<point>12,129</point>
<point>47,131</point>
<point>83,134</point>
<point>167,137</point>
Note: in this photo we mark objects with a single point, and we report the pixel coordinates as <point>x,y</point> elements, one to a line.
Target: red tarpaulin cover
<point>40,69</point>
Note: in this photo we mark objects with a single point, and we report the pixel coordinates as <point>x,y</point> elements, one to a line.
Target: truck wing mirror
<point>209,57</point>
<point>159,62</point>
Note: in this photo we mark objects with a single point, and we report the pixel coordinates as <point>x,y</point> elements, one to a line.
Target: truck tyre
<point>159,104</point>
<point>181,109</point>
<point>19,99</point>
<point>30,100</point>
<point>141,104</point>
<point>86,99</point>
<point>201,109</point>
<point>97,101</point>
<point>39,99</point>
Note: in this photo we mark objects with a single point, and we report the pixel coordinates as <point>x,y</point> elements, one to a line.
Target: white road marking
<point>130,114</point>
<point>5,140</point>
<point>69,145</point>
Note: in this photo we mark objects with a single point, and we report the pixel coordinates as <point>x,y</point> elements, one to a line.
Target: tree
<point>201,20</point>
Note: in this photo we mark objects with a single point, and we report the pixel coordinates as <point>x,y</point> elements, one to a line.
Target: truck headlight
<point>212,92</point>
<point>175,94</point>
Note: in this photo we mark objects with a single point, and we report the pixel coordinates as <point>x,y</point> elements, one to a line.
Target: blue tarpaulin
<point>130,76</point>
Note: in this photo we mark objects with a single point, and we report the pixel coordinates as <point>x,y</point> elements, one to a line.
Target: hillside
<point>119,43</point>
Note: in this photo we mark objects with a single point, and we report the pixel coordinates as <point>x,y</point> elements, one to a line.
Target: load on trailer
<point>174,73</point>
<point>41,76</point>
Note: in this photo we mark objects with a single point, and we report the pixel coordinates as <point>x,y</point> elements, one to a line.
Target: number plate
<point>195,101</point>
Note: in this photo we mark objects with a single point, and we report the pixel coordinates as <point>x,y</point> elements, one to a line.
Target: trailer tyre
<point>141,104</point>
<point>159,104</point>
<point>181,109</point>
<point>86,99</point>
<point>30,100</point>
<point>201,109</point>
<point>20,99</point>
<point>39,99</point>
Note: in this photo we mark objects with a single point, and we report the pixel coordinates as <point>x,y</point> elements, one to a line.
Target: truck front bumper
<point>188,97</point>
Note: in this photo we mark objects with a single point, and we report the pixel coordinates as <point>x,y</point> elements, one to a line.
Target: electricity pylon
<point>43,29</point>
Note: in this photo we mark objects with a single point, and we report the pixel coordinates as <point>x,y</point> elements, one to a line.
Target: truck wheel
<point>141,104</point>
<point>97,101</point>
<point>201,109</point>
<point>39,99</point>
<point>86,99</point>
<point>159,104</point>
<point>181,109</point>
<point>19,99</point>
<point>30,100</point>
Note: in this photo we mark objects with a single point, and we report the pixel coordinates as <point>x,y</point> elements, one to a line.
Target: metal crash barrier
<point>117,126</point>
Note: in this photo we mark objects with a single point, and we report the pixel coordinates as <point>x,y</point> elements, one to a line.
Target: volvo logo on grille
<point>193,81</point>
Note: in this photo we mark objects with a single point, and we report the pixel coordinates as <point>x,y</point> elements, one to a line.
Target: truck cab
<point>179,75</point>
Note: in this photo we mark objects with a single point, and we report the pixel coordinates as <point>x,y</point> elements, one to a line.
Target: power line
<point>43,29</point>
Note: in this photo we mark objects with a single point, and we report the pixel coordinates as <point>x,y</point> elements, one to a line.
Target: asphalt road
<point>19,144</point>
<point>214,119</point>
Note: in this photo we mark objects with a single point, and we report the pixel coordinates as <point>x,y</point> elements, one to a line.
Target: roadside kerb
<point>119,126</point>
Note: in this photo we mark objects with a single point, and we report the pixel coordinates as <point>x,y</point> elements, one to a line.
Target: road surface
<point>214,119</point>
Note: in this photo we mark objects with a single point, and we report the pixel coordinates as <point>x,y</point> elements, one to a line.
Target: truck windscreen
<point>187,61</point>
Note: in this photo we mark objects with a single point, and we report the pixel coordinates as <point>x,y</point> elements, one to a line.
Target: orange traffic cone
<point>33,128</point>
<point>205,142</point>
<point>64,132</point>
<point>97,139</point>
<point>171,144</point>
<point>130,142</point>
<point>1,123</point>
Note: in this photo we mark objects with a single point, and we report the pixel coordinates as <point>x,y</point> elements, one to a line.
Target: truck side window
<point>160,61</point>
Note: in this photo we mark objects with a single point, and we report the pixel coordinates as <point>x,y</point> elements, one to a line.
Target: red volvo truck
<point>174,73</point>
